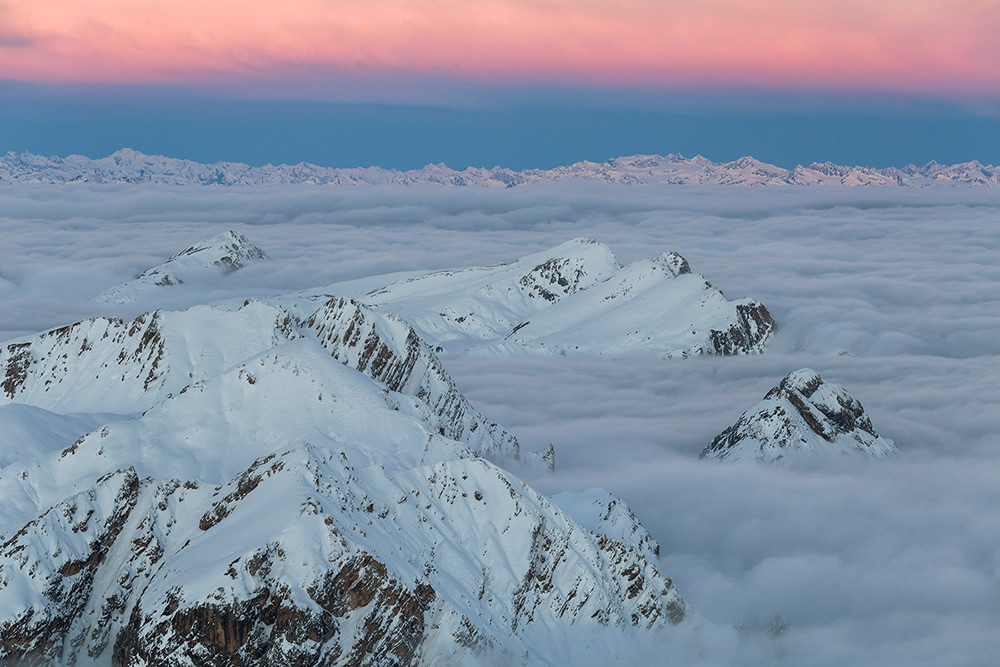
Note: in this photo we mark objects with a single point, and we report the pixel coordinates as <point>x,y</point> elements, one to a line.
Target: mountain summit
<point>211,258</point>
<point>802,416</point>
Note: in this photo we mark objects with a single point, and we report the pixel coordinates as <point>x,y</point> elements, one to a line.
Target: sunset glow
<point>902,45</point>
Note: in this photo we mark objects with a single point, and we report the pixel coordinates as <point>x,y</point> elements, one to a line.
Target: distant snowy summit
<point>129,166</point>
<point>802,418</point>
<point>573,298</point>
<point>212,257</point>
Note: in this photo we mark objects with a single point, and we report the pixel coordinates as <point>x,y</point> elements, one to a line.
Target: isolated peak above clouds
<point>802,417</point>
<point>213,257</point>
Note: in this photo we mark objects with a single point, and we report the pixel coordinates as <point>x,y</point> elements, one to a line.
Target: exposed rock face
<point>207,259</point>
<point>802,417</point>
<point>58,369</point>
<point>315,561</point>
<point>556,277</point>
<point>62,552</point>
<point>748,334</point>
<point>388,350</point>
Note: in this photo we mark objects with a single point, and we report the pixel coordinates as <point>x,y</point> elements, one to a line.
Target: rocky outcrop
<point>748,334</point>
<point>388,350</point>
<point>61,554</point>
<point>800,418</point>
<point>89,356</point>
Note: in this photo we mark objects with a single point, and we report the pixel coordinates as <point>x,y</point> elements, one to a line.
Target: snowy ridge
<point>290,510</point>
<point>106,365</point>
<point>573,298</point>
<point>212,257</point>
<point>129,166</point>
<point>801,419</point>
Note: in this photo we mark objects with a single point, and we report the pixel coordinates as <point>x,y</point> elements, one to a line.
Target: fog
<point>894,294</point>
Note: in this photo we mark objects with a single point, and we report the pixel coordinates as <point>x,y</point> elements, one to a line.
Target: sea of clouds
<point>894,294</point>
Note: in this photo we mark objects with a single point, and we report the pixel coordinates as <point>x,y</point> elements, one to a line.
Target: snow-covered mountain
<point>802,419</point>
<point>211,258</point>
<point>106,365</point>
<point>575,297</point>
<point>129,166</point>
<point>239,484</point>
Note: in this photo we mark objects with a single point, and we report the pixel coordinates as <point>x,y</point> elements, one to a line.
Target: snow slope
<point>130,166</point>
<point>802,419</point>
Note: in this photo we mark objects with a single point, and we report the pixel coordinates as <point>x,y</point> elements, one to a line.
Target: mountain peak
<point>803,415</point>
<point>673,262</point>
<point>228,251</point>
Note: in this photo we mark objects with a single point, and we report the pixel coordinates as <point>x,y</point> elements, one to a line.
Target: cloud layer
<point>891,294</point>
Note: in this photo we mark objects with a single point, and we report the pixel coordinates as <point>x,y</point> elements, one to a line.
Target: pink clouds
<point>905,45</point>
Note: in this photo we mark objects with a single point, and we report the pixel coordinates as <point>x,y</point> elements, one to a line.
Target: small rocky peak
<point>672,263</point>
<point>827,408</point>
<point>803,413</point>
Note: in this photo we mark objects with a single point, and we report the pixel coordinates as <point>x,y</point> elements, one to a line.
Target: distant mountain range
<point>129,166</point>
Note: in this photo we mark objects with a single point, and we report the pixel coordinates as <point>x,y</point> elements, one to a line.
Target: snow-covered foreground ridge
<point>279,488</point>
<point>129,166</point>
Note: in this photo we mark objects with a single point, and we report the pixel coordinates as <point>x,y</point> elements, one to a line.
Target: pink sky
<point>930,46</point>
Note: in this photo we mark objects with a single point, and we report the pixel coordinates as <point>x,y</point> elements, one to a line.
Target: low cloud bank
<point>893,295</point>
